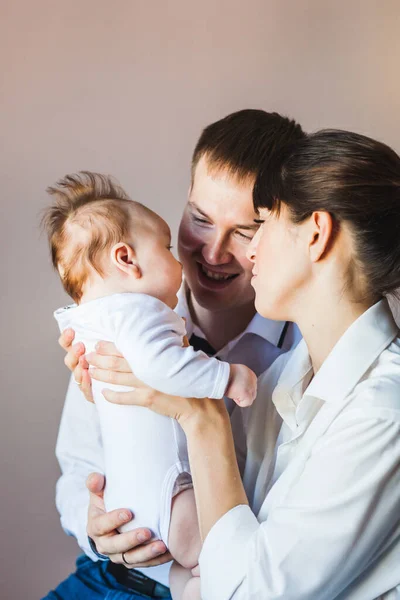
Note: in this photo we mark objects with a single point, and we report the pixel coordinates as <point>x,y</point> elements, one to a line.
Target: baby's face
<point>161,272</point>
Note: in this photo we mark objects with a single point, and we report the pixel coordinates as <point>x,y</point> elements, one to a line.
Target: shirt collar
<point>297,400</point>
<point>292,383</point>
<point>354,353</point>
<point>270,331</point>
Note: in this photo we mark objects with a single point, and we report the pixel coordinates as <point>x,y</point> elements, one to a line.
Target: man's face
<point>216,228</point>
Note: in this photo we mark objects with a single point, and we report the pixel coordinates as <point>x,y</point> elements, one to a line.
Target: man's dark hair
<point>354,178</point>
<point>243,141</point>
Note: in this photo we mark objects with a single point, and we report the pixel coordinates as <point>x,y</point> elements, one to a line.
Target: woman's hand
<point>102,527</point>
<point>106,364</point>
<point>216,477</point>
<point>187,411</point>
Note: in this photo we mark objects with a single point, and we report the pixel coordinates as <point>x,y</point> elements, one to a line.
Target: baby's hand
<point>242,385</point>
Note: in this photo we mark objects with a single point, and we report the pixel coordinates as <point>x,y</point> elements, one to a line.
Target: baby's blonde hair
<point>90,214</point>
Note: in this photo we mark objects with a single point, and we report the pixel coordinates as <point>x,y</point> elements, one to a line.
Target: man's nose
<point>216,251</point>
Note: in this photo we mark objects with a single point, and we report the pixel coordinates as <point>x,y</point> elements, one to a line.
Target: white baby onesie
<point>145,454</point>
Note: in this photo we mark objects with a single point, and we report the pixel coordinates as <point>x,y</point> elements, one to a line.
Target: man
<point>217,302</point>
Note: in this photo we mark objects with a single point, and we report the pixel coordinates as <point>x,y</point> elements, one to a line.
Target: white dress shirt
<point>322,476</point>
<point>79,445</point>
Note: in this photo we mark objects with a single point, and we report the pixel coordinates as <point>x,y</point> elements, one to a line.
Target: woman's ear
<point>124,258</point>
<point>322,234</point>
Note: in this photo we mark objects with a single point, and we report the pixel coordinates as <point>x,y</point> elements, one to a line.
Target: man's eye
<point>198,220</point>
<point>244,237</point>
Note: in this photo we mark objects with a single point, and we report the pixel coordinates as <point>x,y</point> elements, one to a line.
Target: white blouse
<point>323,477</point>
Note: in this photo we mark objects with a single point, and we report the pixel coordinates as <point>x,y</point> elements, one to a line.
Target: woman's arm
<point>216,478</point>
<point>334,516</point>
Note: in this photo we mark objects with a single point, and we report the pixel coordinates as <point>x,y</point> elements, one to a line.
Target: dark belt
<point>136,581</point>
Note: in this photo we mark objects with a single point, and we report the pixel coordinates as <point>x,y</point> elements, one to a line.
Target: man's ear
<point>124,258</point>
<point>322,233</point>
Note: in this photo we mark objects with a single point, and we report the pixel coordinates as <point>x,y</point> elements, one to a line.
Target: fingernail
<point>143,537</point>
<point>98,346</point>
<point>156,550</point>
<point>124,516</point>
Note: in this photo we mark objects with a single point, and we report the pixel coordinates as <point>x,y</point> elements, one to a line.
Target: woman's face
<point>281,267</point>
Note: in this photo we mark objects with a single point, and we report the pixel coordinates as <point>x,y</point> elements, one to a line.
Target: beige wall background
<point>125,87</point>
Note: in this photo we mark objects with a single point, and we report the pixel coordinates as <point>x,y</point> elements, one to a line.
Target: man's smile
<point>216,273</point>
<point>213,277</point>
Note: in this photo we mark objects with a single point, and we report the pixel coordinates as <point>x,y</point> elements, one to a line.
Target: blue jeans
<point>91,581</point>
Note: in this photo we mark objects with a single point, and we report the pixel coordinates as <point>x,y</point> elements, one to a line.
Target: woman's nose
<point>251,254</point>
<point>252,247</point>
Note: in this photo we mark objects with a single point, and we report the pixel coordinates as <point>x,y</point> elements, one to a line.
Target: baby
<point>114,259</point>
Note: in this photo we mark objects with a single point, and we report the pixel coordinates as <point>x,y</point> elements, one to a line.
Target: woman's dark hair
<point>354,178</point>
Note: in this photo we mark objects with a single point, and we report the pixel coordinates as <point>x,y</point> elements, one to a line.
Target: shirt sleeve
<point>150,337</point>
<point>79,453</point>
<point>341,513</point>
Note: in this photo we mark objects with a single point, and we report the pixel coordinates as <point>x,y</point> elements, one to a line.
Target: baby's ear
<point>61,270</point>
<point>124,258</point>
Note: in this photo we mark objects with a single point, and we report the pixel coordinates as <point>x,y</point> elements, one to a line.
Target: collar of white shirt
<point>270,331</point>
<point>297,400</point>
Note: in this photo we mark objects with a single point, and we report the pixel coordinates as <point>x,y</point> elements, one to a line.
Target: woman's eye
<point>169,247</point>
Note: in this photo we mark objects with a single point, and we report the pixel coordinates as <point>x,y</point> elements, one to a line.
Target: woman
<point>318,514</point>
